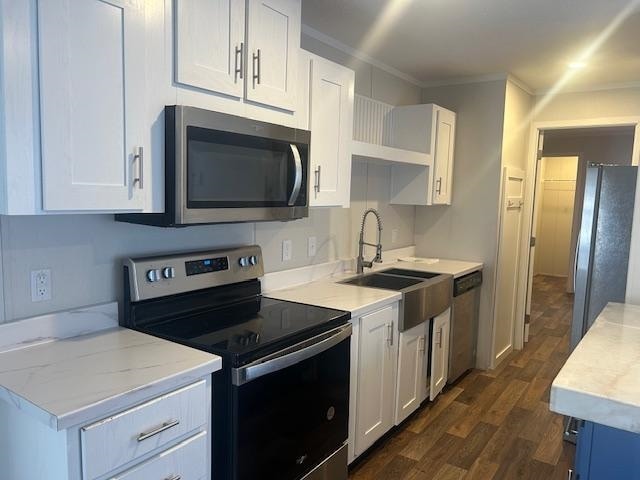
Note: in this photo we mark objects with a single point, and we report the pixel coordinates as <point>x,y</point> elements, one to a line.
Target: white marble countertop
<point>75,380</point>
<point>457,268</point>
<point>327,293</point>
<point>601,380</point>
<point>359,300</point>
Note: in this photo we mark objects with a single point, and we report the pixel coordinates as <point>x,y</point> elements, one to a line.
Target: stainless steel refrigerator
<point>602,256</point>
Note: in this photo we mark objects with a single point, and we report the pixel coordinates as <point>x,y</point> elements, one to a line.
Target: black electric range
<point>281,400</point>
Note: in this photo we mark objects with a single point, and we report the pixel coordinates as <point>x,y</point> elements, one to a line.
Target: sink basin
<point>409,273</point>
<point>386,282</point>
<point>424,295</point>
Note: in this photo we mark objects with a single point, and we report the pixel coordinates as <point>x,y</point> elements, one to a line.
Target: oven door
<point>233,169</point>
<point>291,408</point>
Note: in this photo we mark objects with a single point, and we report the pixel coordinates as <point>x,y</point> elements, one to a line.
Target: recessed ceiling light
<point>577,65</point>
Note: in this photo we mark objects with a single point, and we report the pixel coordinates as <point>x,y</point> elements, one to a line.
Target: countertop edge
<point>110,405</point>
<point>594,408</point>
<point>136,395</point>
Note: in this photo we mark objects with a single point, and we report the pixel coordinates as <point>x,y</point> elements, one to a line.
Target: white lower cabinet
<point>376,376</point>
<point>439,353</point>
<point>163,437</point>
<point>119,439</point>
<point>392,373</point>
<point>411,371</point>
<point>184,462</point>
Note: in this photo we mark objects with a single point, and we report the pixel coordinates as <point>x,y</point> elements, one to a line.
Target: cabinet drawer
<point>186,461</point>
<point>117,440</point>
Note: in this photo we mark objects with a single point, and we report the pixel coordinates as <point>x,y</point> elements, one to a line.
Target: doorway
<point>563,157</point>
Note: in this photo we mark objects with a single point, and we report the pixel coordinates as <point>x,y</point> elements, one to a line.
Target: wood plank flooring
<point>490,425</point>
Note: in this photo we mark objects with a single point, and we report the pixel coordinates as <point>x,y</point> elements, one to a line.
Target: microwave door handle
<point>297,182</point>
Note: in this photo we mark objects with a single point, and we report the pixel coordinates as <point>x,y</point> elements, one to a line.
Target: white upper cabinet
<point>426,129</point>
<point>210,39</point>
<point>439,353</point>
<point>273,41</point>
<point>331,123</point>
<point>92,103</point>
<point>445,126</point>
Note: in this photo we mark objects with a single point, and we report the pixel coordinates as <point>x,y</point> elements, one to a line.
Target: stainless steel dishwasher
<point>465,311</point>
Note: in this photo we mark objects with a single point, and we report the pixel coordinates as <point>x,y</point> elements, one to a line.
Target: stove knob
<point>169,272</point>
<point>244,262</point>
<point>153,275</point>
<point>253,260</point>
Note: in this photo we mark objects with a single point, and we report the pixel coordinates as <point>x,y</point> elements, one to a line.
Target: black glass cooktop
<point>247,329</point>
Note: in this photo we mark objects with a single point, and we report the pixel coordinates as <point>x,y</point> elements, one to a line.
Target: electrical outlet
<point>394,235</point>
<point>287,248</point>
<point>40,285</point>
<point>311,247</point>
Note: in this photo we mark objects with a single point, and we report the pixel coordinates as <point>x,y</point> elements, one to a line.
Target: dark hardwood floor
<point>494,424</point>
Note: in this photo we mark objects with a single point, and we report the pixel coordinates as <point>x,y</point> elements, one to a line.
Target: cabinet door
<point>210,45</point>
<point>273,41</point>
<point>445,125</point>
<point>332,125</point>
<point>411,378</point>
<point>377,368</point>
<point>439,353</point>
<point>92,90</point>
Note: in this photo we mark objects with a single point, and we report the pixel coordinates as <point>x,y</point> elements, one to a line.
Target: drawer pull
<point>160,429</point>
<point>173,477</point>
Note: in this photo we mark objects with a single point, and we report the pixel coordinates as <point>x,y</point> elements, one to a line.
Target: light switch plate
<point>394,235</point>
<point>287,248</point>
<point>311,247</point>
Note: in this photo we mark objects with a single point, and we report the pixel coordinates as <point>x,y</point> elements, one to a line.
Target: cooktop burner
<point>248,329</point>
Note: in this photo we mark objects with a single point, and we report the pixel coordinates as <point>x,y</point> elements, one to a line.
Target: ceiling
<point>436,41</point>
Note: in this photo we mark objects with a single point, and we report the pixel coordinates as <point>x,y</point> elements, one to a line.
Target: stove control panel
<point>153,277</point>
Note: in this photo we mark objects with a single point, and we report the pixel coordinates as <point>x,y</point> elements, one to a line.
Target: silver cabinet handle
<point>256,68</point>
<point>439,186</point>
<point>297,182</point>
<point>174,477</point>
<point>239,64</point>
<point>152,433</point>
<point>138,156</point>
<point>390,334</point>
<point>439,342</point>
<point>316,185</point>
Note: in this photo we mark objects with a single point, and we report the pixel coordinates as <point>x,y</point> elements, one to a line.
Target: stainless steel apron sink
<point>422,298</point>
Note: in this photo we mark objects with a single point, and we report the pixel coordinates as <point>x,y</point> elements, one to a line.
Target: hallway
<point>494,424</point>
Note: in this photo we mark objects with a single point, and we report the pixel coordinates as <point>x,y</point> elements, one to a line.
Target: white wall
<point>467,230</point>
<point>84,252</point>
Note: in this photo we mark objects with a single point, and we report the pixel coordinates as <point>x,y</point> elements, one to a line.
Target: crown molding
<point>344,48</point>
<point>492,77</point>
<point>593,88</point>
<point>520,84</point>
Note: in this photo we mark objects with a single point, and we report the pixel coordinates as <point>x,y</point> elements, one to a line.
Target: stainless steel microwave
<point>223,169</point>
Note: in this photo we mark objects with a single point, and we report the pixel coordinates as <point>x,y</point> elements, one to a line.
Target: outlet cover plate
<point>287,248</point>
<point>40,285</point>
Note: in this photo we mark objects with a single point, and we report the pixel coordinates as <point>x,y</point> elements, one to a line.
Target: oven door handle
<point>290,356</point>
<point>297,181</point>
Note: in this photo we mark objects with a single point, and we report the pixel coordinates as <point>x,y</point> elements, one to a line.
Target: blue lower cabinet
<point>605,453</point>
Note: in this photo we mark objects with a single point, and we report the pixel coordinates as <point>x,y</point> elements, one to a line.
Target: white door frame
<point>530,185</point>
